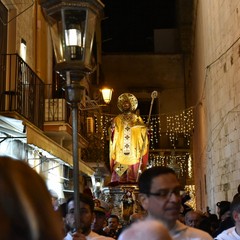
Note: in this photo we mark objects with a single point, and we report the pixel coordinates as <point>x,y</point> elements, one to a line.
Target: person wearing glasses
<point>160,196</point>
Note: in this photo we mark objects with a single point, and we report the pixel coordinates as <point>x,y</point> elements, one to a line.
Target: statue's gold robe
<point>128,144</point>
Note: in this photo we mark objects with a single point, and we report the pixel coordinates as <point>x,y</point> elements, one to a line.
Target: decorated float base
<point>123,200</point>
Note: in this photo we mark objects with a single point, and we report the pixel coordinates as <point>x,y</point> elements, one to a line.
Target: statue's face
<point>126,106</point>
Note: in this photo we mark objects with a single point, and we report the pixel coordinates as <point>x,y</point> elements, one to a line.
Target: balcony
<point>21,90</point>
<point>24,96</point>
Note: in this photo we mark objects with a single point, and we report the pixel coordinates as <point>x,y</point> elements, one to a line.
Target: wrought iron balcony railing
<point>22,91</point>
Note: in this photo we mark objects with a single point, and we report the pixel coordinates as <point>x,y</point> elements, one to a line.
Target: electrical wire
<point>5,23</point>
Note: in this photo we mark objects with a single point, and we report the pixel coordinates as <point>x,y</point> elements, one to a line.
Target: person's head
<point>86,213</point>
<point>159,194</point>
<point>26,210</point>
<point>136,217</point>
<point>223,209</point>
<point>193,218</point>
<point>146,229</point>
<point>54,197</point>
<point>238,192</point>
<point>113,222</point>
<point>126,106</point>
<point>127,102</point>
<point>235,210</point>
<point>99,219</point>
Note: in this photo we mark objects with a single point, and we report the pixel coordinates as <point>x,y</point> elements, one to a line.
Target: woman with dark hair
<point>225,219</point>
<point>26,210</point>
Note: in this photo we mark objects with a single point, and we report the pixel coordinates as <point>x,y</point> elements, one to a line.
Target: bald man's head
<point>146,229</point>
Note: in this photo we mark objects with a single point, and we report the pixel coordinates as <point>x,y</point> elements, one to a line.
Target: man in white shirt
<point>159,192</point>
<point>86,219</point>
<point>232,233</point>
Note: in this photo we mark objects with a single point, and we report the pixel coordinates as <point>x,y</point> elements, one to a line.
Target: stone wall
<point>26,22</point>
<point>163,73</point>
<point>217,101</point>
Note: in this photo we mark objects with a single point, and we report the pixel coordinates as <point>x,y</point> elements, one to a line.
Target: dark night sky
<point>128,24</point>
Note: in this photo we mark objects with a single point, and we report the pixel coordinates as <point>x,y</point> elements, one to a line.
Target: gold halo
<point>131,98</point>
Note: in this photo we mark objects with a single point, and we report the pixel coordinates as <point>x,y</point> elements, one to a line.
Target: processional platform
<point>122,199</point>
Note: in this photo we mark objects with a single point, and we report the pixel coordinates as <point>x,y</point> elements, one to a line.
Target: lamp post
<point>72,25</point>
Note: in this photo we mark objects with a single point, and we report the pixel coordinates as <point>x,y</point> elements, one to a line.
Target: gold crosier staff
<point>153,96</point>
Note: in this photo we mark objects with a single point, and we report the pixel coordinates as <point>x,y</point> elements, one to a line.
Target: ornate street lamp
<point>72,25</point>
<point>106,94</point>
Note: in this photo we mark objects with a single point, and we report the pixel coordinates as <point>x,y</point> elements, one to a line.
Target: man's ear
<point>143,199</point>
<point>236,216</point>
<point>66,218</point>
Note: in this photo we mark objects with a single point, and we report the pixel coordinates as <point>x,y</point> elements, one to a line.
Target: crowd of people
<point>32,215</point>
<point>164,215</point>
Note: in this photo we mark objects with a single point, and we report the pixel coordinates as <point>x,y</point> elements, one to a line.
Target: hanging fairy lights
<point>156,159</point>
<point>176,126</point>
<point>190,167</point>
<point>180,124</point>
<point>183,160</point>
<point>154,130</point>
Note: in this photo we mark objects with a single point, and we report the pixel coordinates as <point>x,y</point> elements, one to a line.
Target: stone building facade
<point>216,84</point>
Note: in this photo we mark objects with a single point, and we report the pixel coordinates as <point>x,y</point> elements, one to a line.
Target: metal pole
<point>75,164</point>
<point>74,93</point>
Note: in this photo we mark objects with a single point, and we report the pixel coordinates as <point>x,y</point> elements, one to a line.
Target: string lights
<point>176,128</point>
<point>172,129</point>
<point>182,159</point>
<point>177,125</point>
<point>180,124</point>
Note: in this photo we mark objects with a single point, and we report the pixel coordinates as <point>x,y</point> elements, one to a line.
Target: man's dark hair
<point>145,179</point>
<point>114,216</point>
<point>235,205</point>
<point>224,206</point>
<point>85,198</point>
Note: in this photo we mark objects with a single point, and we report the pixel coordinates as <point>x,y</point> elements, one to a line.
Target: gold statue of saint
<point>128,141</point>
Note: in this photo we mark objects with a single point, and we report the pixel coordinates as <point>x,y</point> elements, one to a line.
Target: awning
<point>38,138</point>
<point>12,127</point>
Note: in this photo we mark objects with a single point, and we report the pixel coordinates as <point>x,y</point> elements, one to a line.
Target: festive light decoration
<point>180,123</point>
<point>176,127</point>
<point>154,130</point>
<point>190,170</point>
